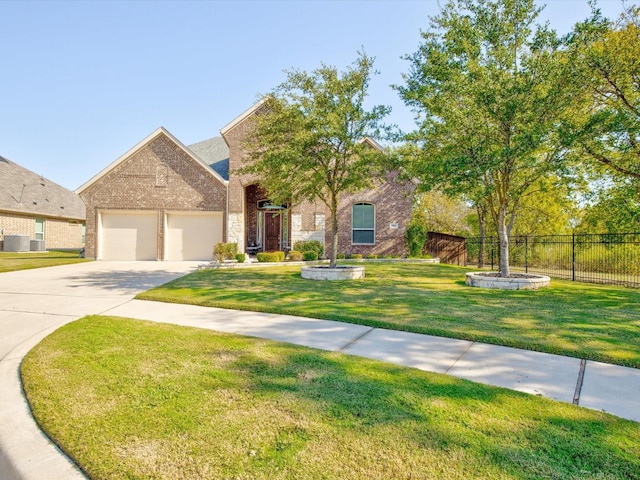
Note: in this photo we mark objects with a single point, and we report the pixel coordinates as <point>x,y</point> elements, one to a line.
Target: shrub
<point>341,256</point>
<point>355,256</point>
<point>271,256</point>
<point>371,256</point>
<point>309,246</point>
<point>241,257</point>
<point>416,236</point>
<point>309,256</point>
<point>295,256</point>
<point>225,251</point>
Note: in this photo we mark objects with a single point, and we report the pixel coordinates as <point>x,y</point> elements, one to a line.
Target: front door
<point>272,231</point>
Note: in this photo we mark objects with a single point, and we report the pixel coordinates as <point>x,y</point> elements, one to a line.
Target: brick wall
<point>392,200</point>
<point>62,233</point>
<point>58,232</point>
<point>237,183</point>
<point>158,177</point>
<point>12,224</point>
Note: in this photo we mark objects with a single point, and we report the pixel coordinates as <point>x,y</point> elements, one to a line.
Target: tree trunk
<point>333,251</point>
<point>503,236</point>
<point>481,226</point>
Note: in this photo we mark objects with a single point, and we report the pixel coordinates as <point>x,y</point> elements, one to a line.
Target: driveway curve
<point>34,303</point>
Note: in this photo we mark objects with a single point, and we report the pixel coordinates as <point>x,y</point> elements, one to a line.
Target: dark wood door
<point>272,231</point>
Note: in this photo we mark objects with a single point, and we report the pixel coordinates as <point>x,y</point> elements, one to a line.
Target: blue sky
<point>84,81</point>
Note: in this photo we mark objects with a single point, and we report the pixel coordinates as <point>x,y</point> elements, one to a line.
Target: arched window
<point>363,224</point>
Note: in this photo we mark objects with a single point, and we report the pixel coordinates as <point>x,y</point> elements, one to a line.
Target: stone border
<point>319,272</point>
<point>514,282</point>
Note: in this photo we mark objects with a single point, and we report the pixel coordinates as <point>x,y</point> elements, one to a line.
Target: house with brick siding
<point>163,200</point>
<point>35,207</point>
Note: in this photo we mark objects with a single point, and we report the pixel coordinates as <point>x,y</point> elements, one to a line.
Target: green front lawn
<point>10,262</point>
<point>569,318</point>
<point>137,400</point>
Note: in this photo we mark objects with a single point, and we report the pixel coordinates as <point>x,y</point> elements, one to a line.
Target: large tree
<point>615,209</point>
<point>486,86</point>
<point>605,62</point>
<point>310,138</point>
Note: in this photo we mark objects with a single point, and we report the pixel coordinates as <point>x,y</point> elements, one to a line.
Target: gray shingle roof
<point>215,153</point>
<point>22,191</point>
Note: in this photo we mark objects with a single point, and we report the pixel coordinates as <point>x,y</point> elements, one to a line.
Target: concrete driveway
<point>33,303</point>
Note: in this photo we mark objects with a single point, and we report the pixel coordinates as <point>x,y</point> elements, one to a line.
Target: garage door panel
<point>192,236</point>
<point>129,236</point>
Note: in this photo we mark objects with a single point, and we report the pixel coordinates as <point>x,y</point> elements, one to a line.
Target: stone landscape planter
<point>321,272</point>
<point>516,281</point>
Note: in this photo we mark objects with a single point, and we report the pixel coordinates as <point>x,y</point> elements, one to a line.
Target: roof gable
<point>23,191</point>
<point>242,117</point>
<point>159,132</point>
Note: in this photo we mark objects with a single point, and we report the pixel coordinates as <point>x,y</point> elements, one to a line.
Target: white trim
<point>140,146</point>
<point>242,117</point>
<point>370,141</point>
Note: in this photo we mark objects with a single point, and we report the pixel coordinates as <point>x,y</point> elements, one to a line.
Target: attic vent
<point>2,159</point>
<point>162,176</point>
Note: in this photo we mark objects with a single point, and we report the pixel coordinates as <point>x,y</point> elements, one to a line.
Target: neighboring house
<point>163,200</point>
<point>34,206</point>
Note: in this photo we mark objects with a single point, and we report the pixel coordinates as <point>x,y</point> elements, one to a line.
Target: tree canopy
<point>312,138</point>
<point>487,86</point>
<point>605,62</point>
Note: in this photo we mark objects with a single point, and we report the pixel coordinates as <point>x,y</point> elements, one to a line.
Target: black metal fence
<point>611,258</point>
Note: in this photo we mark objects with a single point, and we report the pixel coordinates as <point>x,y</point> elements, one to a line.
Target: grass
<point>594,322</point>
<point>10,262</point>
<point>129,399</point>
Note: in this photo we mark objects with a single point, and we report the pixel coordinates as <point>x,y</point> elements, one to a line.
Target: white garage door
<point>191,236</point>
<point>129,236</point>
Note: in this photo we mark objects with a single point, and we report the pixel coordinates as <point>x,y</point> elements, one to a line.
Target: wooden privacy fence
<point>448,248</point>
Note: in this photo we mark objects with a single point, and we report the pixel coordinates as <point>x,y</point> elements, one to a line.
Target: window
<point>39,228</point>
<point>363,224</point>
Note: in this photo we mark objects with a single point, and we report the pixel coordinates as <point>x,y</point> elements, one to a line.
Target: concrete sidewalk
<point>594,385</point>
<point>36,302</point>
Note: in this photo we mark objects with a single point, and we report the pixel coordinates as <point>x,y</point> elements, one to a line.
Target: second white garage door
<point>191,236</point>
<point>129,236</point>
